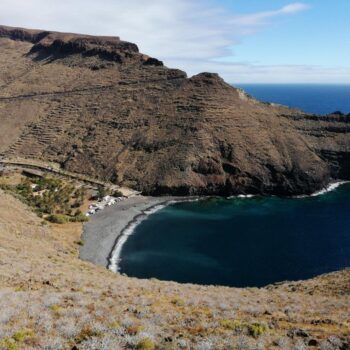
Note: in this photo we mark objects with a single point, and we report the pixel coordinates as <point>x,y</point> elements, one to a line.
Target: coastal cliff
<point>98,106</point>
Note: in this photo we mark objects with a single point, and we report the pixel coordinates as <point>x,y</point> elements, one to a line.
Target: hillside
<point>97,106</point>
<point>50,299</point>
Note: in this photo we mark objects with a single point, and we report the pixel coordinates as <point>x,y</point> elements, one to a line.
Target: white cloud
<point>247,24</point>
<point>294,8</point>
<point>188,34</point>
<point>254,73</point>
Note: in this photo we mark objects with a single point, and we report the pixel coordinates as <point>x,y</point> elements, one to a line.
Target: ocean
<point>318,99</point>
<point>252,242</point>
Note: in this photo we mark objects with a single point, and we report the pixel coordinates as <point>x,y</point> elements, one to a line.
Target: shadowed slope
<point>98,106</point>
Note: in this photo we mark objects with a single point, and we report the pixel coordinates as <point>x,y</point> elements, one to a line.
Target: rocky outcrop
<point>55,45</point>
<point>329,135</point>
<point>21,34</point>
<point>98,106</point>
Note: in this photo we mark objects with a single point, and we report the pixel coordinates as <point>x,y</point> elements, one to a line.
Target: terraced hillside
<point>98,106</point>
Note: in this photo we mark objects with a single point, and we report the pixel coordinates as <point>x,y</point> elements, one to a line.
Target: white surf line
<point>242,196</point>
<point>115,259</point>
<point>331,187</point>
<point>128,231</point>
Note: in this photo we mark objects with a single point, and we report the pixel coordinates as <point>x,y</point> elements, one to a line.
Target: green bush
<point>58,218</point>
<point>5,187</point>
<point>232,325</point>
<point>55,308</point>
<point>178,301</point>
<point>8,344</point>
<point>79,218</point>
<point>102,192</point>
<point>256,329</point>
<point>24,188</point>
<point>146,344</point>
<point>253,329</point>
<point>52,197</point>
<point>117,193</point>
<point>22,335</point>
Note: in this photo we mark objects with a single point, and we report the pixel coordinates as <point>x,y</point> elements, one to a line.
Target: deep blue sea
<point>255,241</point>
<point>318,99</point>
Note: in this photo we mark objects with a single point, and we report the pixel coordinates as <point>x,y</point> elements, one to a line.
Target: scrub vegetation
<point>49,299</point>
<point>51,198</point>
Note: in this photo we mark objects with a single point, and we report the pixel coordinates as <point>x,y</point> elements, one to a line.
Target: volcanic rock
<point>97,106</point>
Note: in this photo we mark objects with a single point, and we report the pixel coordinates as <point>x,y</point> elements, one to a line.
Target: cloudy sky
<point>245,41</point>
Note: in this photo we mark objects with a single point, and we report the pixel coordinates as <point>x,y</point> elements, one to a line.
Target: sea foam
<point>115,258</point>
<point>128,231</point>
<point>331,187</point>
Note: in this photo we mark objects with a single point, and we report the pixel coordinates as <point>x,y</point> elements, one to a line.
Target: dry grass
<point>49,299</point>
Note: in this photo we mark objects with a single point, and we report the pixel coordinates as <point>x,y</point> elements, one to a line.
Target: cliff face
<point>98,106</point>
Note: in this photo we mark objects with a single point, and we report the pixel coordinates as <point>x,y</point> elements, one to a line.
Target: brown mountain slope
<point>98,106</point>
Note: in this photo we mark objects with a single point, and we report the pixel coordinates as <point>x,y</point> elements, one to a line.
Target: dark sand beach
<point>104,229</point>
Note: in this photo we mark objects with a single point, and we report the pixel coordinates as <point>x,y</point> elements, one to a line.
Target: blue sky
<point>245,41</point>
<point>319,35</point>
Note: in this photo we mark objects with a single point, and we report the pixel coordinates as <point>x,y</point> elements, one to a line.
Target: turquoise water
<point>242,242</point>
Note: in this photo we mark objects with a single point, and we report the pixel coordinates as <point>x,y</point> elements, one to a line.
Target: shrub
<point>102,192</point>
<point>146,344</point>
<point>8,344</point>
<point>24,188</point>
<point>178,302</point>
<point>58,218</point>
<point>114,325</point>
<point>51,196</point>
<point>79,218</point>
<point>5,187</point>
<point>22,335</point>
<point>55,308</point>
<point>256,329</point>
<point>86,333</point>
<point>233,325</point>
<point>117,193</point>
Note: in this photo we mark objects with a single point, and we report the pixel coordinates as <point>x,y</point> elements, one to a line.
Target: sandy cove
<point>102,232</point>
